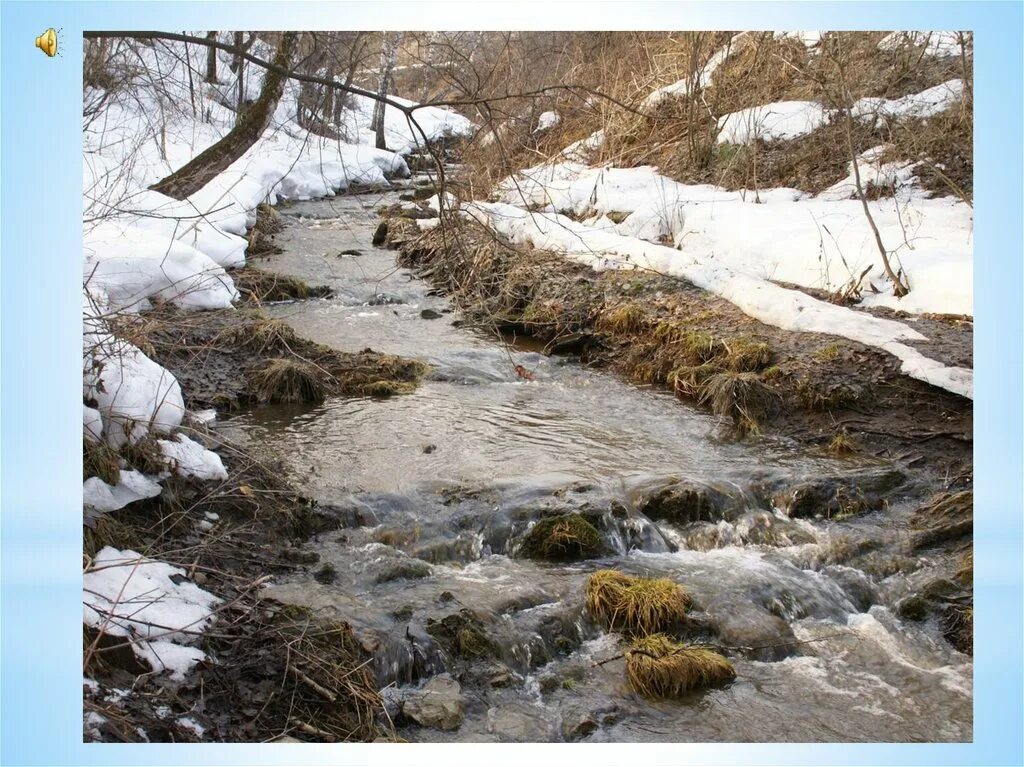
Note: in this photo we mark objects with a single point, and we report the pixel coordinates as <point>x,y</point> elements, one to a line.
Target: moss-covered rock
<point>567,537</point>
<point>462,634</point>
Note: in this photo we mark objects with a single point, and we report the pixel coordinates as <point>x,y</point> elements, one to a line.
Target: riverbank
<point>269,671</point>
<point>832,394</point>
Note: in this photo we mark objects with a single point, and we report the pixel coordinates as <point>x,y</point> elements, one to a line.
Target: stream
<point>436,488</point>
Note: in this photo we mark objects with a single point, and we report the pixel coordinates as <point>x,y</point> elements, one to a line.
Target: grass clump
<point>258,286</point>
<point>260,334</point>
<point>659,667</point>
<point>743,397</point>
<point>101,460</point>
<point>387,388</point>
<point>745,355</point>
<point>827,353</point>
<point>462,634</point>
<point>562,538</point>
<point>635,604</point>
<point>843,445</point>
<point>628,318</point>
<point>291,380</point>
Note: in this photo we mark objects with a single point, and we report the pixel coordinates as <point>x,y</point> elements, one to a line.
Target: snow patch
<point>152,604</point>
<point>756,296</point>
<point>938,44</point>
<point>132,486</point>
<point>547,120</point>
<point>190,459</point>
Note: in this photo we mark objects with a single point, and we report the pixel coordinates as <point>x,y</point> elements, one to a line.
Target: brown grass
<point>635,604</point>
<point>658,667</point>
<point>742,397</point>
<point>291,380</point>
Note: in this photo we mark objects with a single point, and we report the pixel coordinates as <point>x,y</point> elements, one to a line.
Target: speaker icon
<point>47,42</point>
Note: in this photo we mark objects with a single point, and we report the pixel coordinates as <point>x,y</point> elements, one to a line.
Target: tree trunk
<point>250,126</point>
<point>211,60</point>
<point>388,51</point>
<point>240,72</point>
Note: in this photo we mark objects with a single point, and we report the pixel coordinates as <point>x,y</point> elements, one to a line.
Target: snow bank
<point>779,121</point>
<point>190,459</point>
<point>757,297</point>
<point>927,103</point>
<point>130,265</point>
<point>133,486</point>
<point>935,43</point>
<point>151,604</point>
<point>401,135</point>
<point>134,394</point>
<point>777,234</point>
<point>787,120</point>
<point>579,151</point>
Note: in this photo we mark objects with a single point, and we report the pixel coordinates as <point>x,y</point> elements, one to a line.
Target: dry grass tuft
<point>101,460</point>
<point>743,397</point>
<point>260,335</point>
<point>562,538</point>
<point>635,604</point>
<point>321,683</point>
<point>843,445</point>
<point>291,380</point>
<point>145,455</point>
<point>658,667</point>
<point>628,318</point>
<point>258,286</point>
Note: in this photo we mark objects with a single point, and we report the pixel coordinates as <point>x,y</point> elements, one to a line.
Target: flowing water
<point>437,486</point>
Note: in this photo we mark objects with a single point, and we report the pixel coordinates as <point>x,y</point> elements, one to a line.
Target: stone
<point>577,724</point>
<point>945,518</point>
<point>437,704</point>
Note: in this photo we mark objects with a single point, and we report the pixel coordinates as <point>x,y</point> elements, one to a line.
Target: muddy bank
<point>227,359</point>
<point>274,671</point>
<point>829,393</point>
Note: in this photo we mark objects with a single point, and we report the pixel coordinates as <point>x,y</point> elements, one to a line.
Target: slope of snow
<point>152,604</point>
<point>133,394</point>
<point>401,134</point>
<point>757,297</point>
<point>778,234</point>
<point>936,43</point>
<point>779,121</point>
<point>927,103</point>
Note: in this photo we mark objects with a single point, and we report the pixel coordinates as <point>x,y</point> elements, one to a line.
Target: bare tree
<point>388,52</point>
<point>250,125</point>
<point>211,60</point>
